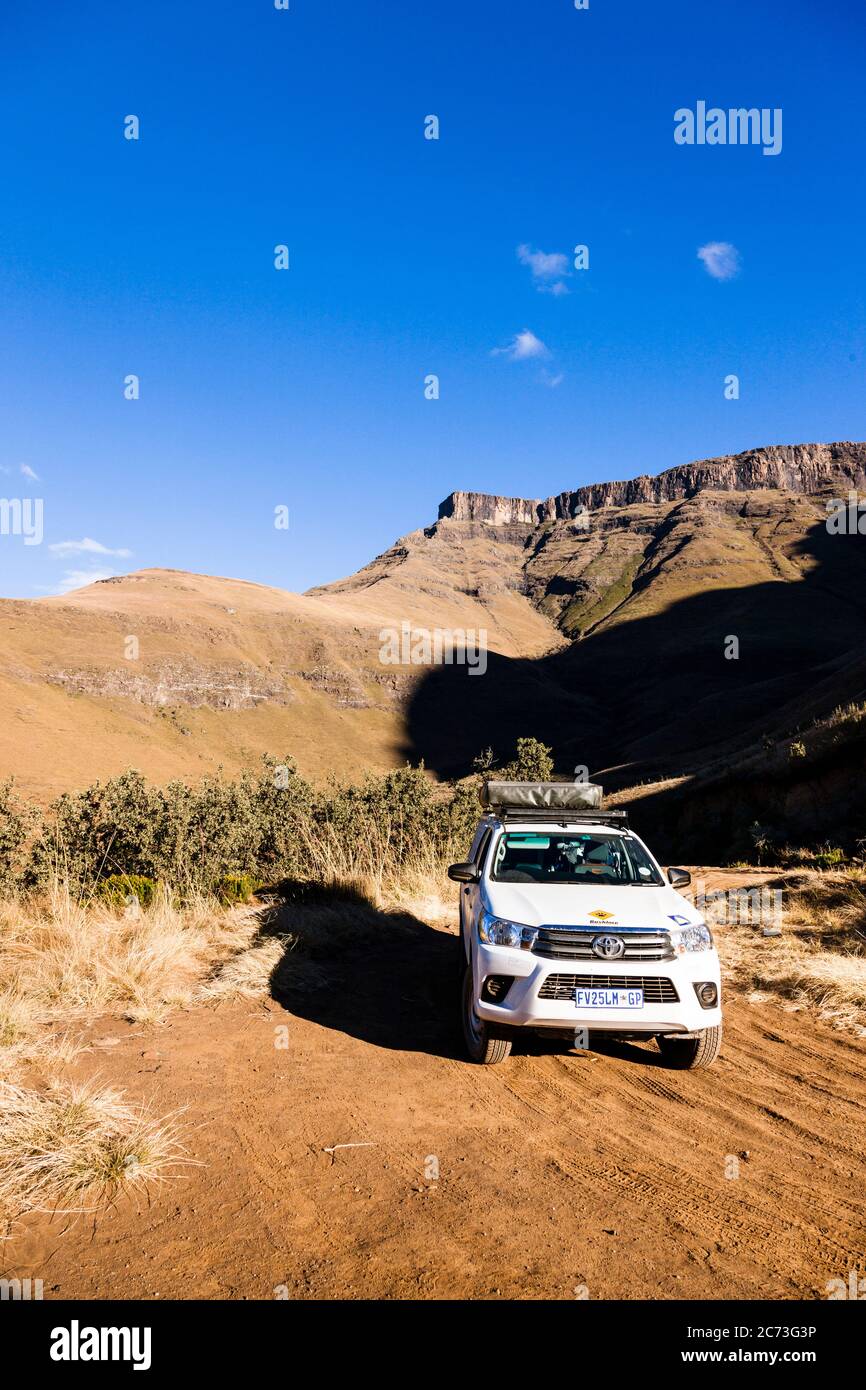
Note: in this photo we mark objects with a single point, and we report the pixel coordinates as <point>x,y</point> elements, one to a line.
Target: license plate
<point>608,998</point>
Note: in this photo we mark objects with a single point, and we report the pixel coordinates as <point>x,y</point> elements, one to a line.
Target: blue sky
<point>305,388</point>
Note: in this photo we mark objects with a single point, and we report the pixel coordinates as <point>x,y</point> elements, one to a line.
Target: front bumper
<point>523,1008</point>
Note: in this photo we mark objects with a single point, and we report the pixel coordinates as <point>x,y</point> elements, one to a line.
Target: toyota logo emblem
<point>608,947</point>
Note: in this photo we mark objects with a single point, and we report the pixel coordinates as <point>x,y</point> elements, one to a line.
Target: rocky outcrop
<point>810,469</point>
<point>804,468</point>
<point>482,506</point>
<point>177,683</point>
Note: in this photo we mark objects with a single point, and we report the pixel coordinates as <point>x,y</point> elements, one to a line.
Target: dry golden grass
<point>75,1147</point>
<point>368,866</point>
<point>65,961</point>
<point>819,961</point>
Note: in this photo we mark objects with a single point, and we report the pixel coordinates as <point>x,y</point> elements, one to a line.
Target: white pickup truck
<point>569,925</point>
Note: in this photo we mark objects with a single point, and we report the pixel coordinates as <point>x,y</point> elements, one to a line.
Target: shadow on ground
<point>386,978</point>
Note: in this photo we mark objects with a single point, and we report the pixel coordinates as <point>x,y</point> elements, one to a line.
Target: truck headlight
<point>694,938</point>
<point>496,931</point>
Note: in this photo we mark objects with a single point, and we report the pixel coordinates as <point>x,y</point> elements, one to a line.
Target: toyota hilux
<point>570,926</point>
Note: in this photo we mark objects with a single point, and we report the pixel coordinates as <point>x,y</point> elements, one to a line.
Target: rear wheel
<point>479,1044</point>
<point>691,1054</point>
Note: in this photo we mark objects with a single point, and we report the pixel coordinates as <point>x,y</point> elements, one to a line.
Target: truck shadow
<point>384,977</point>
<point>619,1049</point>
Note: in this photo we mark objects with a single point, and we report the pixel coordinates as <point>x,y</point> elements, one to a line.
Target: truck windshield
<point>571,857</point>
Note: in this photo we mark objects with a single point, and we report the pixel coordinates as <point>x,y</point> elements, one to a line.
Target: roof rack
<point>557,816</point>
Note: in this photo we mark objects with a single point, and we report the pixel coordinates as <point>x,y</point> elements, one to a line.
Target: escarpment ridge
<point>810,469</point>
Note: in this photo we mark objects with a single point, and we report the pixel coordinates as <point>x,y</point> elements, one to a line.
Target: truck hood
<point>570,905</point>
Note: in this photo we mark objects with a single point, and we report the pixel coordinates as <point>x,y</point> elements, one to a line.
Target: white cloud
<point>720,258</point>
<point>28,472</point>
<point>64,549</point>
<point>76,579</point>
<point>548,269</point>
<point>552,378</point>
<point>522,348</point>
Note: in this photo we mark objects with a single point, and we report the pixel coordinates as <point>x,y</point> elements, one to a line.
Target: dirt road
<point>552,1176</point>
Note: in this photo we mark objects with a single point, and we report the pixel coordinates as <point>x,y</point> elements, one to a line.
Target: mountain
<point>610,613</point>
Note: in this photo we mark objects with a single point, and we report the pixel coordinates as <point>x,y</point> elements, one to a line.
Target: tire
<point>480,1046</point>
<point>692,1054</point>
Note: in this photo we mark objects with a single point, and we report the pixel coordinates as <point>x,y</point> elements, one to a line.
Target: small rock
<point>105,1042</point>
<point>152,1055</point>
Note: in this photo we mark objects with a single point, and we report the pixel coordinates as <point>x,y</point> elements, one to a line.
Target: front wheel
<point>479,1044</point>
<point>691,1054</point>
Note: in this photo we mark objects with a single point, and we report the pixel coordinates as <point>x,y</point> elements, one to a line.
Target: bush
<point>189,836</point>
<point>225,836</point>
<point>457,820</point>
<point>88,835</point>
<point>17,821</point>
<point>533,763</point>
<point>236,888</point>
<point>396,807</point>
<point>117,889</point>
<point>830,857</point>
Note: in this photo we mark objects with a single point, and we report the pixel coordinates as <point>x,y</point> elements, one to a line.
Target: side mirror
<point>464,873</point>
<point>679,878</point>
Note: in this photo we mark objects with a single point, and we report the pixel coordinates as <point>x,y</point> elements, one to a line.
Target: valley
<point>609,613</point>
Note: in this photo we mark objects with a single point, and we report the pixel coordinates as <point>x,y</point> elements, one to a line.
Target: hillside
<point>608,612</point>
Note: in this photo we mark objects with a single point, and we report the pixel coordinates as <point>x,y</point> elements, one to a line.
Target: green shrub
<point>236,888</point>
<point>830,857</point>
<point>533,763</point>
<point>117,889</point>
<point>456,820</point>
<point>107,828</point>
<point>17,822</point>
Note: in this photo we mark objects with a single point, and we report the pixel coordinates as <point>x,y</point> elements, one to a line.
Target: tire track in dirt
<point>788,1212</point>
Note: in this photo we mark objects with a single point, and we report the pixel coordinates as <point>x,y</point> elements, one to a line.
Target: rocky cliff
<point>482,506</point>
<point>809,469</point>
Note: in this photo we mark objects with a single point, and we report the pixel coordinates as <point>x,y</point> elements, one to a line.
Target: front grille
<point>655,989</point>
<point>575,943</point>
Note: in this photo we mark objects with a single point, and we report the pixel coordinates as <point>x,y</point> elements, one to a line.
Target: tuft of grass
<point>76,1147</point>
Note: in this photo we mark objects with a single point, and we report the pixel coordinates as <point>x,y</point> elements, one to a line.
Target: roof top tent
<point>566,803</point>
